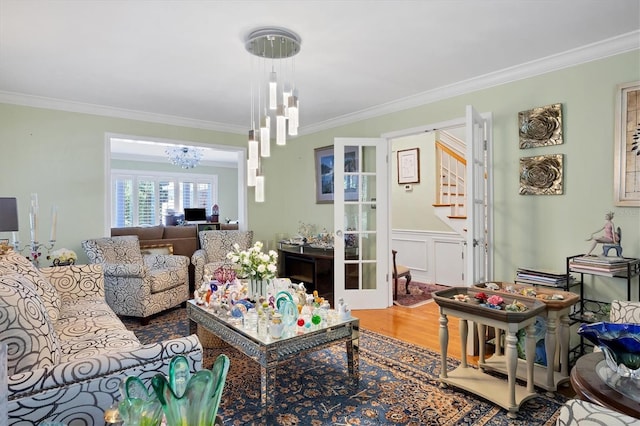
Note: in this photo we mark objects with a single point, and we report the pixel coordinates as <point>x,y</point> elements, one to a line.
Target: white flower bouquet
<point>253,263</point>
<point>63,256</point>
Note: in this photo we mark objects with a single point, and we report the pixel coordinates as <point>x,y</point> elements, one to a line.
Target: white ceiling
<point>184,62</point>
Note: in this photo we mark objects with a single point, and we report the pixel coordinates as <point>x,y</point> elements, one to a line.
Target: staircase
<point>451,166</point>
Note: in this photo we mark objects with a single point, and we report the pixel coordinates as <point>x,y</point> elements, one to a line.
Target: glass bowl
<point>620,344</point>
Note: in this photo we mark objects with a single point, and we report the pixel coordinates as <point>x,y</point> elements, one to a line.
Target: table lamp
<point>8,214</point>
<point>8,218</point>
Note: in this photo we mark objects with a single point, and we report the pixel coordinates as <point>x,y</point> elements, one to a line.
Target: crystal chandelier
<point>274,96</point>
<point>185,157</point>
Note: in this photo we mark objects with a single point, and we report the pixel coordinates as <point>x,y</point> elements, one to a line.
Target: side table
<point>589,386</point>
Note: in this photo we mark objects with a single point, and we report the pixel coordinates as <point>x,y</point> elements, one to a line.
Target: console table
<point>557,312</point>
<point>508,395</point>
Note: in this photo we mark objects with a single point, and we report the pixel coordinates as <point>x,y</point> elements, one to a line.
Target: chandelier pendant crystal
<point>276,96</point>
<point>185,157</point>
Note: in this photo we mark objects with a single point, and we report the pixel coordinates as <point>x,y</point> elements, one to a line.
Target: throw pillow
<point>25,326</point>
<point>14,262</point>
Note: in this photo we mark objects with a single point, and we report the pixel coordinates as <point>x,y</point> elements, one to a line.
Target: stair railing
<point>452,169</point>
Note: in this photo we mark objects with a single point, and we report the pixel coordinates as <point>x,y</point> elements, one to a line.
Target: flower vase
<point>257,288</point>
<point>191,399</point>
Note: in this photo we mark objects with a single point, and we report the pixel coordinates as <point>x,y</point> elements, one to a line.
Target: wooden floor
<point>420,326</point>
<point>417,325</point>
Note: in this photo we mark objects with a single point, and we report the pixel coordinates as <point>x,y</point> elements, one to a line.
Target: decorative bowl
<point>620,344</point>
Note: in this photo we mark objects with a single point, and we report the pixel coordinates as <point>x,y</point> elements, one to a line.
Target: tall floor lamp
<point>8,218</point>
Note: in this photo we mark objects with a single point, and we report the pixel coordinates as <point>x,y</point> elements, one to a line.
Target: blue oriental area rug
<point>398,386</point>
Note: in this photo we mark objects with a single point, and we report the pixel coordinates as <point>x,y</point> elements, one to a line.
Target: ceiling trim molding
<point>107,111</point>
<point>591,52</point>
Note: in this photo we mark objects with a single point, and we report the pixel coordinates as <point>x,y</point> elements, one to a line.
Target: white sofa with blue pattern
<point>67,349</point>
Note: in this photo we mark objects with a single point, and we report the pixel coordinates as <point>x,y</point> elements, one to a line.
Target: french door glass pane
<point>369,276</point>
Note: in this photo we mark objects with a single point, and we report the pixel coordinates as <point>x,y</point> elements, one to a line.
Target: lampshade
<point>8,214</point>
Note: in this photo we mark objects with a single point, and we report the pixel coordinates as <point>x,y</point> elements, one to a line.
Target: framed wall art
<point>540,126</point>
<point>146,249</point>
<point>627,145</point>
<point>541,175</point>
<point>409,165</point>
<point>325,186</point>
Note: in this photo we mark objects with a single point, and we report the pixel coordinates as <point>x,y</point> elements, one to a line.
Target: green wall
<point>61,155</point>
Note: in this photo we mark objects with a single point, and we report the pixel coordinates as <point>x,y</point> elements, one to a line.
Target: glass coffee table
<point>269,352</point>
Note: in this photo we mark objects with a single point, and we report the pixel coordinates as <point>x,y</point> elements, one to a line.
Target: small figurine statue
<point>343,310</point>
<point>610,236</point>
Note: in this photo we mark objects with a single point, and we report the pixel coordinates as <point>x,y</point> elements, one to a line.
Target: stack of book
<point>600,265</point>
<point>541,277</point>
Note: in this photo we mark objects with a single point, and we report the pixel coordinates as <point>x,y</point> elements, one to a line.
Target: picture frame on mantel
<point>627,145</point>
<point>325,187</point>
<point>409,165</point>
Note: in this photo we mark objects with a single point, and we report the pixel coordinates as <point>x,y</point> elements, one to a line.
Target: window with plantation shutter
<point>147,202</point>
<point>144,198</point>
<point>122,203</point>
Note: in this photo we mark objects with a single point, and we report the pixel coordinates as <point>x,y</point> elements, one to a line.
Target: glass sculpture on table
<point>181,399</point>
<point>620,344</point>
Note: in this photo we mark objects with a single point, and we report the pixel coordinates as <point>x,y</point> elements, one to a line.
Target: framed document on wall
<point>409,165</point>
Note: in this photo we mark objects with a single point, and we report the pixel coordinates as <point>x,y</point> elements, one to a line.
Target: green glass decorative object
<point>138,407</point>
<point>191,400</point>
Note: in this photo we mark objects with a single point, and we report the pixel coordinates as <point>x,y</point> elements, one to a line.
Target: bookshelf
<point>626,268</point>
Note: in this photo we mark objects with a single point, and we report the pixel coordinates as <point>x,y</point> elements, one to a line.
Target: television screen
<point>195,214</point>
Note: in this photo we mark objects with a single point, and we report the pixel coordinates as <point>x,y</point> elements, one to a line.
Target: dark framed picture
<point>325,185</point>
<point>409,165</point>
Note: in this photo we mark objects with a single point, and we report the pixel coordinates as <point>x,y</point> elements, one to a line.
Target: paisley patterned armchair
<point>137,285</point>
<point>215,246</point>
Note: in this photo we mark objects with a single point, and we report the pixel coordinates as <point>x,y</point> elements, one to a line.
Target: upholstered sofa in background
<point>184,239</point>
<point>68,351</point>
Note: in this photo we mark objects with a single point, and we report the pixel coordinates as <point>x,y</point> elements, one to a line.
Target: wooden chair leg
<point>406,285</point>
<point>395,288</point>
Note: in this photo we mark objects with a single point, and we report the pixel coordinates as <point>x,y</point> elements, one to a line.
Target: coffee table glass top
<point>241,326</point>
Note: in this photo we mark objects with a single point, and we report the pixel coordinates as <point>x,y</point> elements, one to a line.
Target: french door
<point>479,184</point>
<point>361,240</point>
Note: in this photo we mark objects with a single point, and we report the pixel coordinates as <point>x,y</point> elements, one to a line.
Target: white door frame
<point>444,125</point>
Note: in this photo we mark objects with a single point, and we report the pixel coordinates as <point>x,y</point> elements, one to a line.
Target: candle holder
<point>34,249</point>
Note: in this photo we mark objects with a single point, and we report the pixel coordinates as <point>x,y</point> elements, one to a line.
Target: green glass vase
<point>138,408</point>
<point>191,400</point>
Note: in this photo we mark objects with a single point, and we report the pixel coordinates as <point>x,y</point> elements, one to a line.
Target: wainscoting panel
<point>430,255</point>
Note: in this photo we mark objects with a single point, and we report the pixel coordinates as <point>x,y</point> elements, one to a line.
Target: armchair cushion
<point>165,279</point>
<point>25,326</point>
